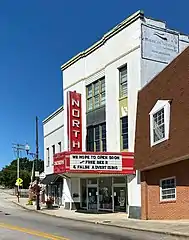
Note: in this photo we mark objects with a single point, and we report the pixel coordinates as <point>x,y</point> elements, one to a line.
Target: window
<point>96,138</point>
<point>103,128</point>
<point>96,94</point>
<point>123,81</point>
<point>124,133</point>
<point>168,189</point>
<point>103,92</point>
<point>159,122</point>
<point>60,146</point>
<point>90,139</point>
<point>48,157</point>
<point>158,125</point>
<point>53,149</point>
<point>89,97</point>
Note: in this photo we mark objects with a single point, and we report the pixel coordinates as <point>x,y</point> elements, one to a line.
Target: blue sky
<point>37,36</point>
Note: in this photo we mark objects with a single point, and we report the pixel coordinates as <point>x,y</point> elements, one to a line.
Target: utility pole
<point>37,157</point>
<point>18,147</point>
<point>37,144</point>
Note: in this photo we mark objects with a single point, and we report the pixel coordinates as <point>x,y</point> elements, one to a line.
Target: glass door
<point>92,198</point>
<point>120,199</point>
<point>105,194</point>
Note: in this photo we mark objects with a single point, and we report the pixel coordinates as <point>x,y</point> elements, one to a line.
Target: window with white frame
<point>123,81</point>
<point>159,122</point>
<point>168,189</point>
<point>158,125</point>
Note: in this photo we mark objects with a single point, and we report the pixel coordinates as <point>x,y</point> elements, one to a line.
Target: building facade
<point>103,82</point>
<point>162,149</point>
<point>53,130</point>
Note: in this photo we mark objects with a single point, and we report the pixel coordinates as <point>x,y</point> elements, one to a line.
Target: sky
<point>37,37</point>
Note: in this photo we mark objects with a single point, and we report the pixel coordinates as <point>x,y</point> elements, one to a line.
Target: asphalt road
<point>17,223</point>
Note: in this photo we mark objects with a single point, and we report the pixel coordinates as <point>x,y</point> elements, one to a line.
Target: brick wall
<point>171,84</point>
<point>152,208</point>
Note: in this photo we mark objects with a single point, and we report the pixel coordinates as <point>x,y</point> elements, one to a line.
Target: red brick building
<point>162,142</point>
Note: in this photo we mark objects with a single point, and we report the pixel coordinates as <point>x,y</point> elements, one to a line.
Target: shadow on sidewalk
<point>92,212</point>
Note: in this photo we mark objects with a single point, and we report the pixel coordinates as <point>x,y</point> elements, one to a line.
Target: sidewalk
<point>177,228</point>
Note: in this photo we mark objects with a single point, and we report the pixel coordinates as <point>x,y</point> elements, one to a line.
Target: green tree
<point>8,174</point>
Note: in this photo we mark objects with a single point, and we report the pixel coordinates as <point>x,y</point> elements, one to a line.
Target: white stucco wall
<point>111,51</point>
<point>53,129</point>
<point>184,42</point>
<point>66,193</point>
<point>149,69</point>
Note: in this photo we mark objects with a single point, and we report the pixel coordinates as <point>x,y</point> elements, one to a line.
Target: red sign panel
<point>74,120</point>
<point>93,162</point>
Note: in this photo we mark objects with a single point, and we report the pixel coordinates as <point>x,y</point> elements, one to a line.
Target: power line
<point>18,148</point>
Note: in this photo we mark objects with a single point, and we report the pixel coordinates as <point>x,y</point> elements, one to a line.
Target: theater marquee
<point>94,162</point>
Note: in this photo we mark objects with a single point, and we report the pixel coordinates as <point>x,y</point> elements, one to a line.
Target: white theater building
<point>92,136</point>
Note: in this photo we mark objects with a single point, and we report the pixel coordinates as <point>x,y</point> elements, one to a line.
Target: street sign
<point>36,173</point>
<point>19,182</point>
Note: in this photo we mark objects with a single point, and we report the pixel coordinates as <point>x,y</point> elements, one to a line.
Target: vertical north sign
<point>74,120</point>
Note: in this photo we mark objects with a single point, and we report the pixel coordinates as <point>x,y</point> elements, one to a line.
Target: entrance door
<point>92,198</point>
<point>54,193</point>
<point>120,199</point>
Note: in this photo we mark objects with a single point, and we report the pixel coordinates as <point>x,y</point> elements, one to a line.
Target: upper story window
<point>123,83</point>
<point>60,146</point>
<point>159,122</point>
<point>96,94</point>
<point>48,157</point>
<point>158,126</point>
<point>53,149</point>
<point>124,133</point>
<point>168,189</point>
<point>96,138</point>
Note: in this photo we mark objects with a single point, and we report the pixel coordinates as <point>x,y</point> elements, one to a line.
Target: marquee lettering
<point>75,121</point>
<point>75,144</point>
<point>75,102</point>
<point>75,113</point>
<point>76,133</point>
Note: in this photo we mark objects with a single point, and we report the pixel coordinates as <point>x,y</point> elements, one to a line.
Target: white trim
<point>106,65</point>
<point>160,104</point>
<point>167,162</point>
<point>168,199</point>
<point>52,115</point>
<point>125,23</point>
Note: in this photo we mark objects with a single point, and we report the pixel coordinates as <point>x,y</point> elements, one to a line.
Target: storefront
<point>95,181</point>
<point>104,194</point>
<point>54,186</point>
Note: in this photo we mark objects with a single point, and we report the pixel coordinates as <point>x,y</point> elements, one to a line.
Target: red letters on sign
<point>74,121</point>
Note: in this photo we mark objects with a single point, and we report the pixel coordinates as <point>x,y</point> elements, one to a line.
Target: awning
<point>50,179</point>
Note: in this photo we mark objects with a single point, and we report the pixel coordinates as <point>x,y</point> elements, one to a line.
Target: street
<point>17,223</point>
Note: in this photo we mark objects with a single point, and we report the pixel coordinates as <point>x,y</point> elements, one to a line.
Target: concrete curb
<point>175,234</point>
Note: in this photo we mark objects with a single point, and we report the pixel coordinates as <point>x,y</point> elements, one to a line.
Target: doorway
<point>92,198</point>
<point>120,199</point>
